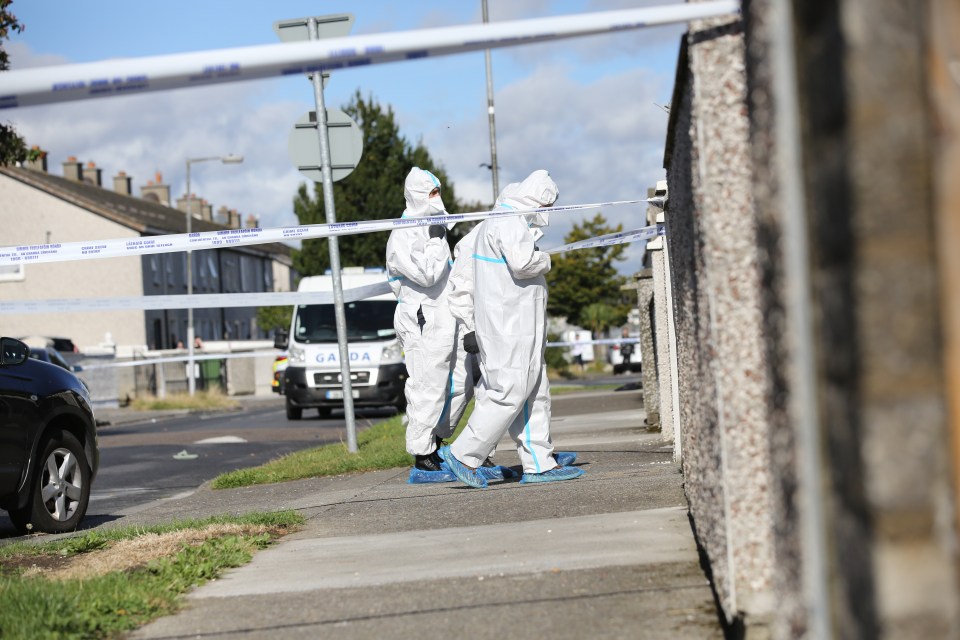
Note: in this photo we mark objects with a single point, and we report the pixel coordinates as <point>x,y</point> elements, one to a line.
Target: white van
<point>312,378</point>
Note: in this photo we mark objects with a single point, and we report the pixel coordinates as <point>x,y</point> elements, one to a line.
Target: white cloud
<point>144,135</point>
<point>23,57</point>
<point>602,141</point>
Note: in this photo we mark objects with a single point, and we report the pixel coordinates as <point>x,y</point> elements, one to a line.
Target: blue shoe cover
<point>565,458</point>
<point>497,473</point>
<point>553,475</point>
<point>422,476</point>
<point>464,473</point>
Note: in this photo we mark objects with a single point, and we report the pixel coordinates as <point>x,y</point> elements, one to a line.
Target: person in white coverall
<point>509,298</point>
<point>418,266</point>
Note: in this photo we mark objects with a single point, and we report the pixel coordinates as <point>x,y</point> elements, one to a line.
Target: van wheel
<point>60,490</point>
<point>293,413</point>
<point>324,412</point>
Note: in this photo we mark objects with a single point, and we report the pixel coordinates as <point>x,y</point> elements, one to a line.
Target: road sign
<point>346,145</point>
<point>331,26</point>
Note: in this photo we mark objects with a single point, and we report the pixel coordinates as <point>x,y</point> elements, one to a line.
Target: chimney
<point>253,222</point>
<point>223,216</point>
<point>190,203</point>
<point>122,184</point>
<point>73,170</point>
<point>36,159</point>
<point>156,191</point>
<point>92,174</point>
<point>234,219</point>
<point>206,211</point>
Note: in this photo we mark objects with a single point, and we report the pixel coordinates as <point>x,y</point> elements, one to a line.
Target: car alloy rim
<point>61,485</point>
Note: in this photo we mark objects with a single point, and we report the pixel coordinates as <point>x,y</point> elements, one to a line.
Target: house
<point>37,207</point>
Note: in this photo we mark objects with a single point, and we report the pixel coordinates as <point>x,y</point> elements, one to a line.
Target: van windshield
<point>367,320</point>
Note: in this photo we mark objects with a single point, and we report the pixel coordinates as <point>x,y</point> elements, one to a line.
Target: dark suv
<point>48,442</point>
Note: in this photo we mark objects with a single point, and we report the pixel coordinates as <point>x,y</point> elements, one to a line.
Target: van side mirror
<point>280,339</point>
<point>13,352</point>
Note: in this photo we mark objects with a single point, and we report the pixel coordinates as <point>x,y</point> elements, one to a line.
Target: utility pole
<point>490,114</point>
<point>331,213</point>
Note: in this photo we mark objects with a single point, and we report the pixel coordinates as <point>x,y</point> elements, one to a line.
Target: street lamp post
<point>490,115</point>
<point>229,159</point>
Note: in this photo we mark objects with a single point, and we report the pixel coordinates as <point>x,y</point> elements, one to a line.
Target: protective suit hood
<point>416,192</point>
<point>537,190</point>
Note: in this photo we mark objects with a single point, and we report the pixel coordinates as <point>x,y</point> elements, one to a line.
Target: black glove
<point>536,248</point>
<point>437,231</point>
<point>470,343</point>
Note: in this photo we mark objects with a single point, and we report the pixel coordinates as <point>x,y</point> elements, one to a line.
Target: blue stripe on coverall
<point>526,428</point>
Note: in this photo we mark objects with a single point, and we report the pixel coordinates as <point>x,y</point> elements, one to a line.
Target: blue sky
<point>584,109</point>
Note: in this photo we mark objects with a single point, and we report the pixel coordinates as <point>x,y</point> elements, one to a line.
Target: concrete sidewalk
<point>609,555</point>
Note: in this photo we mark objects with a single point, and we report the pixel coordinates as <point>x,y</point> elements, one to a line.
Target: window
<point>203,272</point>
<point>267,275</point>
<point>367,320</point>
<point>11,272</point>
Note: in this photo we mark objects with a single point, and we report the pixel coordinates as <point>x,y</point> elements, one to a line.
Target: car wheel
<point>61,487</point>
<point>293,413</point>
<point>325,412</point>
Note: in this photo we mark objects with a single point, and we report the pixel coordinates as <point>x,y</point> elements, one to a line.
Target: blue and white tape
<point>600,341</point>
<point>130,76</point>
<point>145,245</point>
<point>621,237</point>
<point>274,353</point>
<point>194,301</point>
<point>265,299</point>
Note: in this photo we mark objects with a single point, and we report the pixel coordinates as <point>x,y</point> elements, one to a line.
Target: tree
<point>273,318</point>
<point>598,317</point>
<point>373,191</point>
<point>12,147</point>
<point>581,278</point>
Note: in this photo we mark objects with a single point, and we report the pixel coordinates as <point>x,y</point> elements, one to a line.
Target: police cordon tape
<point>195,301</point>
<point>69,251</point>
<point>130,76</point>
<point>274,353</point>
<point>265,299</point>
<point>621,237</point>
<point>601,341</point>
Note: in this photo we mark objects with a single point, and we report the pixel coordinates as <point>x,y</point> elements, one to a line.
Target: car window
<point>58,359</point>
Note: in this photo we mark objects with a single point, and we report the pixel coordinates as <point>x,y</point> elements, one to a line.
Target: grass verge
<point>105,583</point>
<point>381,446</point>
<point>201,401</point>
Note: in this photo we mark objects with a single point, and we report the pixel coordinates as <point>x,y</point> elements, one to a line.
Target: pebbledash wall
<point>723,383</point>
<point>810,175</point>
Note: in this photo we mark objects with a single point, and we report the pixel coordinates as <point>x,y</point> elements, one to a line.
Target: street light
<point>490,117</point>
<point>228,159</point>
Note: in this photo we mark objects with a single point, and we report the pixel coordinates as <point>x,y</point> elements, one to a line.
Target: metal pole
<point>490,115</point>
<point>191,383</point>
<point>334,252</point>
<point>804,401</point>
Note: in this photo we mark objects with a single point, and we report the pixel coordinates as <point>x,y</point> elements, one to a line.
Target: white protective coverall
<point>418,267</point>
<point>510,316</point>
